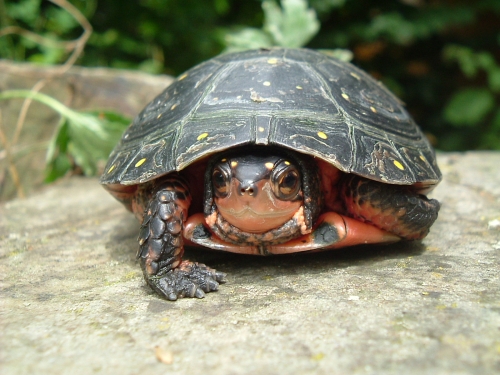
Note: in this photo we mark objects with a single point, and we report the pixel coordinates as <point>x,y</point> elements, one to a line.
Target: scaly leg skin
<point>161,246</point>
<point>394,208</point>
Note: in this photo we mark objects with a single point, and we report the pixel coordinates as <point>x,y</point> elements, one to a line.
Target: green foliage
<point>476,107</point>
<point>85,140</point>
<point>291,26</point>
<point>468,107</point>
<point>82,139</point>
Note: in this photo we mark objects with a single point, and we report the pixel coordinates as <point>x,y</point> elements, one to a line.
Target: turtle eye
<point>220,181</point>
<point>286,181</point>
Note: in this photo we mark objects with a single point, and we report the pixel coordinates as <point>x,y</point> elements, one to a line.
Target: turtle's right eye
<point>220,181</point>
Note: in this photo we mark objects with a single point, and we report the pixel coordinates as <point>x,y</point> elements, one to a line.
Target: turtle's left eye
<point>220,181</point>
<point>286,181</point>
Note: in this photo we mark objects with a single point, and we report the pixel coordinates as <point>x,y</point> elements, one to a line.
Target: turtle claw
<point>190,280</point>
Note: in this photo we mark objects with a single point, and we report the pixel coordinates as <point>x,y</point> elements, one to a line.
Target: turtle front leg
<point>161,246</point>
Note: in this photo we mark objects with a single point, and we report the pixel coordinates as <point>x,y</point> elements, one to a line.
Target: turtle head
<point>261,195</point>
<point>256,193</point>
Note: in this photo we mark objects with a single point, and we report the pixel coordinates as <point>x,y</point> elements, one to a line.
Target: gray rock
<point>73,300</point>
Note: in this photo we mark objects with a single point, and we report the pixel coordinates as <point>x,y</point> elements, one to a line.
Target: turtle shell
<point>298,99</point>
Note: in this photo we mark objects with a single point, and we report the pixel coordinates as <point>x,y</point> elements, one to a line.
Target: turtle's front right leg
<point>161,246</point>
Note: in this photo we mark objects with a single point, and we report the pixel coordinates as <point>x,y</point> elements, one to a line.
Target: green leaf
<point>57,168</point>
<point>60,21</point>
<point>494,79</point>
<point>85,137</point>
<point>24,10</point>
<point>58,163</point>
<point>92,137</point>
<point>495,124</point>
<point>291,26</point>
<point>248,38</point>
<point>468,107</point>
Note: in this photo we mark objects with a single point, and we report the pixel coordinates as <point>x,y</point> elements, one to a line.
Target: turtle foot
<point>189,279</point>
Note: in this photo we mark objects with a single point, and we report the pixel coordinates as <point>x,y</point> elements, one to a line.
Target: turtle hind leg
<point>161,246</point>
<point>394,208</point>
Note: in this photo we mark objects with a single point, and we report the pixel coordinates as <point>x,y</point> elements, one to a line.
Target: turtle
<point>269,151</point>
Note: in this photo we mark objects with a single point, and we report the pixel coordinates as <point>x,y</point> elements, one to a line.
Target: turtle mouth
<point>248,211</point>
<point>252,221</point>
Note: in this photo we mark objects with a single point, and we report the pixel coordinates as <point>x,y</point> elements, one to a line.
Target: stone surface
<point>73,300</point>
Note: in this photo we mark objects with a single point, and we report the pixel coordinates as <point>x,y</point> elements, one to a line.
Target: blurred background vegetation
<point>441,57</point>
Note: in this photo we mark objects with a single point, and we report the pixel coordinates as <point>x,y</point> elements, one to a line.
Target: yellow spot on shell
<point>215,99</point>
<point>234,164</point>
<point>267,83</point>
<point>373,109</point>
<point>399,165</point>
<point>202,136</point>
<point>182,77</point>
<point>158,116</point>
<point>322,135</point>
<point>272,61</point>
<point>112,167</point>
<point>287,162</point>
<point>224,160</point>
<point>140,162</point>
<point>355,76</point>
<point>173,107</point>
<point>345,96</point>
<point>298,87</point>
<point>261,129</point>
<point>422,157</point>
<point>269,165</point>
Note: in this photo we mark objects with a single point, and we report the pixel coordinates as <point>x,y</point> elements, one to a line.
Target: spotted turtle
<point>269,151</point>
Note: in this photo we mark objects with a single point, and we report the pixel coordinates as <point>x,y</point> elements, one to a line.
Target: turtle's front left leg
<point>161,246</point>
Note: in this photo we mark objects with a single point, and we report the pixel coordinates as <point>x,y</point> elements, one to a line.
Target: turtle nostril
<point>247,190</point>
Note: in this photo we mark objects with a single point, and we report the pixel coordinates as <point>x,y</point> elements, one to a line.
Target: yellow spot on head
<point>373,109</point>
<point>267,83</point>
<point>173,107</point>
<point>298,87</point>
<point>112,167</point>
<point>269,165</point>
<point>234,164</point>
<point>287,162</point>
<point>202,136</point>
<point>399,165</point>
<point>322,135</point>
<point>261,129</point>
<point>224,160</point>
<point>355,75</point>
<point>182,77</point>
<point>272,61</point>
<point>345,96</point>
<point>140,162</point>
